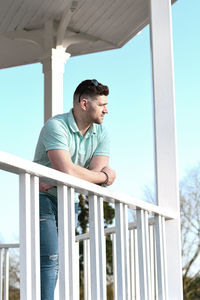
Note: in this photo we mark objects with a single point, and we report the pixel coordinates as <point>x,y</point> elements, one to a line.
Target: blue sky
<point>127,71</point>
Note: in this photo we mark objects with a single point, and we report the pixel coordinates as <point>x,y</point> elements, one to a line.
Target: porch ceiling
<point>100,24</point>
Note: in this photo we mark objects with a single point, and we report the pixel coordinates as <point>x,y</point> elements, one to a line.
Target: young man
<point>75,143</point>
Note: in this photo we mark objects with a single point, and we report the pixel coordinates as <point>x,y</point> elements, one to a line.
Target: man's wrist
<point>107,178</point>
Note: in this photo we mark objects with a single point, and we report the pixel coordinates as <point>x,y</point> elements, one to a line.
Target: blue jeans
<point>49,245</point>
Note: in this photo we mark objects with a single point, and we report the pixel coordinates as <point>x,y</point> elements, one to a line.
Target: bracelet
<point>107,178</point>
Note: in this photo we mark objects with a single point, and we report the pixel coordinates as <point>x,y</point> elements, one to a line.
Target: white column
<point>53,68</point>
<point>165,135</point>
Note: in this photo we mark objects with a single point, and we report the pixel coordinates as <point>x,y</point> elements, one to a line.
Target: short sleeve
<point>54,136</point>
<point>103,146</point>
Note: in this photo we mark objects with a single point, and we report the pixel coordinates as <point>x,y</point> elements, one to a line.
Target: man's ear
<point>83,104</point>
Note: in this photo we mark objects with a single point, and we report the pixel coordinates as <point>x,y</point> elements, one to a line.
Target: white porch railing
<point>139,259</point>
<point>4,269</point>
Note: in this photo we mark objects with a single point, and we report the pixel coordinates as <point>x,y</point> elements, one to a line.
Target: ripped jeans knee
<point>49,266</point>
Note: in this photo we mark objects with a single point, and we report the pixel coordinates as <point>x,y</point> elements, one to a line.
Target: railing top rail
<point>17,165</point>
<point>6,246</point>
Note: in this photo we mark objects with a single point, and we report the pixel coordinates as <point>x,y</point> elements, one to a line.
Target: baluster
<point>94,247</point>
<point>126,252</point>
<point>35,235</point>
<point>137,276</point>
<point>66,243</point>
<point>77,271</point>
<point>132,264</point>
<point>25,237</point>
<point>1,272</point>
<point>121,220</point>
<point>114,264</point>
<point>102,248</point>
<point>87,283</point>
<point>143,251</point>
<point>152,261</point>
<point>6,274</point>
<point>161,257</point>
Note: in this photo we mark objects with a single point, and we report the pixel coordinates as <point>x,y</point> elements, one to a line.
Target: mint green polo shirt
<point>61,132</point>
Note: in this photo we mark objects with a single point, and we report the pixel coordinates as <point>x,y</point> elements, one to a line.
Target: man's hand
<point>44,187</point>
<point>111,175</point>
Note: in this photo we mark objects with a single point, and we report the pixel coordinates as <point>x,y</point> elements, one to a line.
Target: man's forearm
<point>61,161</point>
<point>92,176</point>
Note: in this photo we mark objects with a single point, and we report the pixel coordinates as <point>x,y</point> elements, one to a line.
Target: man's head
<point>90,100</point>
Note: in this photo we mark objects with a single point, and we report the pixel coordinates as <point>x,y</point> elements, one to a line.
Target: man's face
<point>97,108</point>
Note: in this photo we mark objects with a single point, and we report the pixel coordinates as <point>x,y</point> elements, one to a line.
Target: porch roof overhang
<point>82,26</point>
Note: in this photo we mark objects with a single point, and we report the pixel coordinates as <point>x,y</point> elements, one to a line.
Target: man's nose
<point>105,110</point>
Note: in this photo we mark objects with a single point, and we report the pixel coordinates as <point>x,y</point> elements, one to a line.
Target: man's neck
<point>82,124</point>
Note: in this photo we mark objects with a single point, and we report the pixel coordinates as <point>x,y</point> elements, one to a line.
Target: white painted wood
<point>165,135</point>
<point>126,253</point>
<point>9,14</point>
<point>102,249</point>
<point>136,263</point>
<point>163,228</point>
<point>19,15</point>
<point>3,246</point>
<point>4,8</point>
<point>42,6</point>
<point>112,23</point>
<point>25,237</point>
<point>87,276</point>
<point>72,249</point>
<point>6,274</point>
<point>64,22</point>
<point>132,267</point>
<point>94,247</point>
<point>14,164</point>
<point>53,68</point>
<point>18,165</point>
<point>152,262</point>
<point>1,272</point>
<point>143,251</point>
<point>66,242</point>
<point>147,247</point>
<point>89,271</point>
<point>161,257</point>
<point>85,270</point>
<point>35,236</point>
<point>120,251</point>
<point>114,253</point>
<point>77,272</point>
<point>63,240</point>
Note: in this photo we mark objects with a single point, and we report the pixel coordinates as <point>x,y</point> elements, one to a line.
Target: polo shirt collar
<point>72,124</point>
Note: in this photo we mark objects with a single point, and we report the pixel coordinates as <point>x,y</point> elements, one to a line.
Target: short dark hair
<point>90,88</point>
